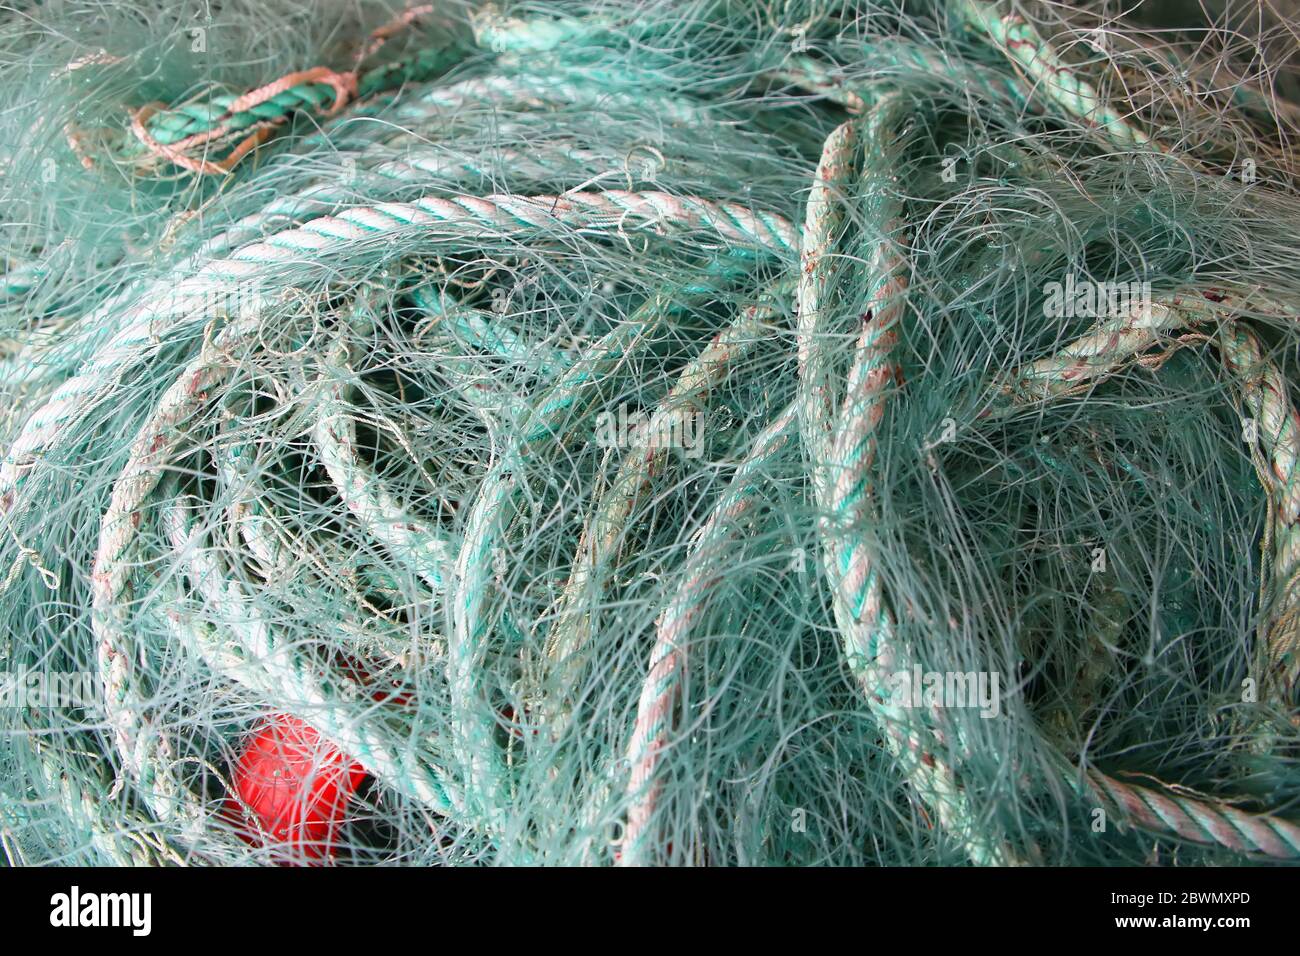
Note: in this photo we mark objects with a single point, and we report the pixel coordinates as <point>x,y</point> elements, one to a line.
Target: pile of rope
<point>577,433</point>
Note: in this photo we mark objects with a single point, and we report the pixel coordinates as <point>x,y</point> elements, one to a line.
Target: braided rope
<point>823,217</point>
<point>840,457</point>
<point>545,425</point>
<point>905,58</point>
<point>174,133</point>
<point>1265,396</point>
<point>254,661</point>
<point>642,462</point>
<point>419,548</point>
<point>1023,45</point>
<point>142,327</point>
<point>672,634</point>
<point>141,748</point>
<point>276,552</point>
<point>1109,347</point>
<point>1199,821</point>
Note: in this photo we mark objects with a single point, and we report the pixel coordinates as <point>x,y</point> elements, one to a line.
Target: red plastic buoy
<point>298,786</point>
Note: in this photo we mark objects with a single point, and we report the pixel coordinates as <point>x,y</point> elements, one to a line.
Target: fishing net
<point>727,433</point>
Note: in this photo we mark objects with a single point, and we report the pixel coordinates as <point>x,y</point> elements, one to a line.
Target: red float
<point>298,786</point>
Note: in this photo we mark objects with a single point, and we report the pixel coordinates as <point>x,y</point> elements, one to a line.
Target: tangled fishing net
<point>726,432</point>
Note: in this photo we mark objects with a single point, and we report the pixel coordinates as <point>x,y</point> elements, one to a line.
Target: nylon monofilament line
<point>626,434</point>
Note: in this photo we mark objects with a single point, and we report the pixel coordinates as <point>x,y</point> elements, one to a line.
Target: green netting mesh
<point>711,433</point>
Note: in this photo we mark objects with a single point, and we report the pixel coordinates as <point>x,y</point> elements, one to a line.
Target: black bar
<point>512,908</point>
